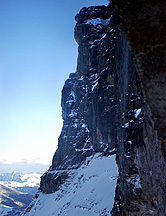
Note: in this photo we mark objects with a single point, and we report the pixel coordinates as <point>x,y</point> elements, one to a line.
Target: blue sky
<point>38,51</point>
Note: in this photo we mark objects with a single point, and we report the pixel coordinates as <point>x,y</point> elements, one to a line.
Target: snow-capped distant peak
<point>27,183</point>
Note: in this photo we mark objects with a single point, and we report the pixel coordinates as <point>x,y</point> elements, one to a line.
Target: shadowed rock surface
<point>144,23</point>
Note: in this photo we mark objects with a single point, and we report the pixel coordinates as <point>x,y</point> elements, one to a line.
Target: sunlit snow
<point>89,191</point>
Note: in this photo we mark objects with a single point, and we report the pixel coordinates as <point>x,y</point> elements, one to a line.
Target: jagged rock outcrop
<point>108,107</point>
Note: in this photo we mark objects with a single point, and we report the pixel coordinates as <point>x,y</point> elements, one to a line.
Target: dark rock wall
<point>144,23</point>
<point>129,124</point>
<point>96,99</point>
<point>106,108</point>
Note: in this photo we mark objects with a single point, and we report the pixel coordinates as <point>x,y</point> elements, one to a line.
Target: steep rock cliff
<point>106,111</point>
<point>87,98</point>
<point>144,23</point>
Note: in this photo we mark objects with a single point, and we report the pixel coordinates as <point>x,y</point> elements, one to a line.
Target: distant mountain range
<point>26,183</point>
<point>13,198</point>
<point>17,191</point>
<point>13,201</point>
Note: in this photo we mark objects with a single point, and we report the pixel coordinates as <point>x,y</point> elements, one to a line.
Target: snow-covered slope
<point>27,183</point>
<point>89,191</point>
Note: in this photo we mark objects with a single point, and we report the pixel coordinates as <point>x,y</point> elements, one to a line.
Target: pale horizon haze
<point>37,53</point>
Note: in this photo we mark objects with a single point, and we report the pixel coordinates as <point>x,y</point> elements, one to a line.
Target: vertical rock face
<point>144,24</point>
<point>107,108</point>
<point>87,98</point>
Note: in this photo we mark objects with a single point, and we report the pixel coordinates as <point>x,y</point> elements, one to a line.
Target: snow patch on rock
<point>98,21</point>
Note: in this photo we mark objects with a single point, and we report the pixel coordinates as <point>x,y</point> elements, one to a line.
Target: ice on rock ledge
<point>137,112</point>
<point>135,180</point>
<point>98,21</point>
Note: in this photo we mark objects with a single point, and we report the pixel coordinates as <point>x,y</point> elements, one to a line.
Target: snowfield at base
<point>89,191</point>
